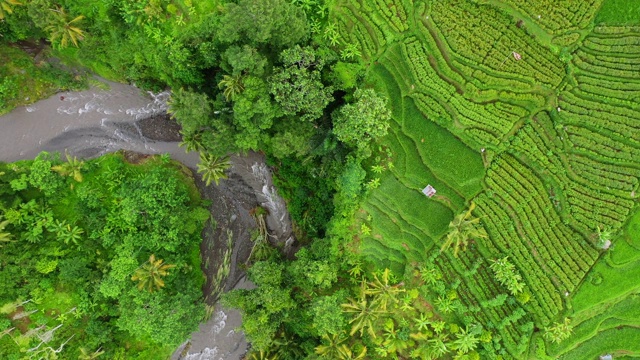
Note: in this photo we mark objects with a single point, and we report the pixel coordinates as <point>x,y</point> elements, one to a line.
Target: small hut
<point>429,191</point>
<point>606,357</point>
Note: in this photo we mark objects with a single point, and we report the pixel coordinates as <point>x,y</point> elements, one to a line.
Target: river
<point>97,121</point>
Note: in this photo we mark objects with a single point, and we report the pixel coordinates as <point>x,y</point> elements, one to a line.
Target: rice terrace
<point>531,111</point>
<point>341,179</point>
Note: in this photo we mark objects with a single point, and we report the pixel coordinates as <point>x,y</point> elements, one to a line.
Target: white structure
<point>429,191</point>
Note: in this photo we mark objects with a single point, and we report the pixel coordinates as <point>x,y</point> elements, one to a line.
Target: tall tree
<point>461,229</point>
<point>297,85</point>
<point>149,275</point>
<point>382,290</point>
<point>213,168</point>
<point>365,120</point>
<point>63,29</point>
<point>365,314</point>
<point>274,23</point>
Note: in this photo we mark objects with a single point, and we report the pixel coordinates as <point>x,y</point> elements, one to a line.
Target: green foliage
<point>6,7</point>
<point>328,318</point>
<point>365,120</point>
<point>149,275</point>
<point>507,275</point>
<point>72,168</point>
<point>64,30</point>
<point>274,22</point>
<point>297,86</point>
<point>559,331</point>
<point>213,168</point>
<point>67,240</point>
<point>463,228</point>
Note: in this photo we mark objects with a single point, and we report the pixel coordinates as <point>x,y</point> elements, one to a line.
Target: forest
<point>522,116</point>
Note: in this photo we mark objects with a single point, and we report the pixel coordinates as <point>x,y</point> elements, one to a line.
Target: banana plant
<point>463,228</point>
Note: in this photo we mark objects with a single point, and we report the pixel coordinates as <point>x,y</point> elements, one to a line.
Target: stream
<point>94,122</point>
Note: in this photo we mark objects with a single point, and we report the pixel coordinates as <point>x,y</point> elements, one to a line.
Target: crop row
<point>588,203</point>
<point>585,197</point>
<point>487,38</point>
<point>619,121</point>
<point>590,105</point>
<point>483,137</point>
<point>557,17</point>
<point>605,66</point>
<point>621,45</point>
<point>605,175</point>
<point>596,211</point>
<point>540,155</point>
<point>417,58</point>
<point>530,227</point>
<point>432,108</point>
<point>487,117</point>
<point>434,46</point>
<point>544,229</point>
<point>601,145</point>
<point>613,61</point>
<point>584,254</point>
<point>495,80</point>
<point>394,12</point>
<point>615,30</point>
<point>503,233</point>
<point>609,88</point>
<point>369,12</point>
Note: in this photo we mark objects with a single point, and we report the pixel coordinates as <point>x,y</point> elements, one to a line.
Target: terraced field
<point>531,111</point>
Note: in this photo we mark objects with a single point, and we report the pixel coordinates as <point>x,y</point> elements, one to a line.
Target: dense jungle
<point>460,179</point>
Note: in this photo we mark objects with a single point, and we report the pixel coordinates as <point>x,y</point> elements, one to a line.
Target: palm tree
<point>262,355</point>
<point>382,291</point>
<point>5,237</point>
<point>5,7</point>
<point>349,355</point>
<point>366,313</point>
<point>64,29</point>
<point>334,348</point>
<point>232,86</point>
<point>191,141</point>
<point>213,167</point>
<point>461,229</point>
<point>73,168</point>
<point>149,275</point>
<point>86,355</point>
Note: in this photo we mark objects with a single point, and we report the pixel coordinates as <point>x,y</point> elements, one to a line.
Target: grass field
<point>529,109</point>
<point>619,12</point>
